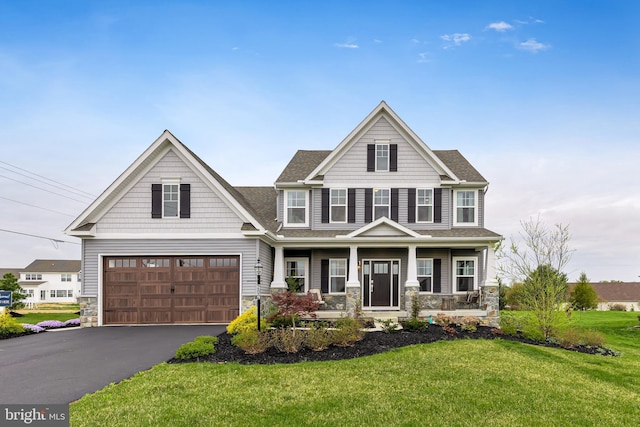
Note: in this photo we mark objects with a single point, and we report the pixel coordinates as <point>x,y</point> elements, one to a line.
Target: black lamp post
<point>258,268</point>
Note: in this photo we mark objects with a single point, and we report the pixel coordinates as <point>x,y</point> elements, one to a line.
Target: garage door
<point>171,289</point>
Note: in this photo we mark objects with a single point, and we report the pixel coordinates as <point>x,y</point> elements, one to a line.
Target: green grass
<point>34,318</point>
<point>458,383</point>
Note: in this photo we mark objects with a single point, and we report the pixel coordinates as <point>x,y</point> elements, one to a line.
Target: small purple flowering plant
<point>51,324</point>
<point>33,328</point>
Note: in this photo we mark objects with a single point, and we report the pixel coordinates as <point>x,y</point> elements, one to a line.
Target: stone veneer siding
<point>88,311</point>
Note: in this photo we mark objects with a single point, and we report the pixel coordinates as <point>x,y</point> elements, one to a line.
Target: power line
<point>38,207</point>
<point>53,241</point>
<point>43,189</point>
<point>74,192</point>
<point>48,179</point>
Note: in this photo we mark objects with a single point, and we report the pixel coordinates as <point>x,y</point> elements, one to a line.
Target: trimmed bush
<point>9,325</point>
<point>388,325</point>
<point>414,325</point>
<point>246,321</point>
<point>348,331</point>
<point>318,338</point>
<point>194,350</point>
<point>252,341</point>
<point>207,339</point>
<point>288,340</point>
<point>573,337</point>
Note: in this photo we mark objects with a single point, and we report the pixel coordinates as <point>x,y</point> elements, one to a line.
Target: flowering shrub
<point>8,325</point>
<point>51,324</point>
<point>33,328</point>
<point>72,322</point>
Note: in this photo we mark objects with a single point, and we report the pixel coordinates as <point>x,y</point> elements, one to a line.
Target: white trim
<point>418,275</point>
<point>423,205</point>
<point>171,182</point>
<point>454,275</point>
<point>346,205</point>
<point>306,208</point>
<point>373,203</point>
<point>378,222</point>
<point>476,212</point>
<point>194,235</point>
<point>346,278</point>
<point>306,271</point>
<point>381,143</point>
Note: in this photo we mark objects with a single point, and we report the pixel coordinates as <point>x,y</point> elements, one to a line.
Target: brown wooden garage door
<point>171,289</point>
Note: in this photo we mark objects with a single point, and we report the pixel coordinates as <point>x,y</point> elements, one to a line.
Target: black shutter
<point>411,209</point>
<point>351,205</point>
<point>371,157</point>
<point>368,204</point>
<point>437,267</point>
<point>324,276</point>
<point>394,204</point>
<point>437,205</point>
<point>185,200</point>
<point>325,205</point>
<point>156,200</point>
<point>393,158</point>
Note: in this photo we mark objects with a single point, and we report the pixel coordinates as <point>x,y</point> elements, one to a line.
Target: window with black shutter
<point>437,276</point>
<point>437,205</point>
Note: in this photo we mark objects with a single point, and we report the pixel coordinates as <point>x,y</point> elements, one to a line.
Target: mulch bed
<point>373,343</point>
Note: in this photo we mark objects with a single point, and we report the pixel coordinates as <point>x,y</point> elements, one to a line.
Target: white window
<point>337,275</point>
<point>381,203</point>
<point>464,274</point>
<point>338,205</point>
<point>69,293</point>
<point>296,274</point>
<point>296,208</point>
<point>33,276</point>
<point>30,293</point>
<point>425,274</point>
<point>465,209</point>
<point>382,157</point>
<point>65,277</point>
<point>43,295</point>
<point>170,200</point>
<point>424,205</point>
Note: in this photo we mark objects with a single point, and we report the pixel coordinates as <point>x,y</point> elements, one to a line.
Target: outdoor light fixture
<point>258,268</point>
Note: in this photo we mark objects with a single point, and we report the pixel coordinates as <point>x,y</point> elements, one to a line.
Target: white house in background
<point>51,281</point>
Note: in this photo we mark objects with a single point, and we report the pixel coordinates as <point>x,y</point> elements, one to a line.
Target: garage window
<point>223,262</point>
<point>122,263</point>
<point>189,262</point>
<point>155,262</point>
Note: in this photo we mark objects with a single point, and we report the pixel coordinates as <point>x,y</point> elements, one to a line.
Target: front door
<point>380,279</point>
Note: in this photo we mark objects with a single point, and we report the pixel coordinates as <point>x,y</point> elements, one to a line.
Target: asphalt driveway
<point>62,366</point>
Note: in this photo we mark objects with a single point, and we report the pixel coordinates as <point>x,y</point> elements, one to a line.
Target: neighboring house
<point>617,293</point>
<point>370,223</point>
<point>51,281</point>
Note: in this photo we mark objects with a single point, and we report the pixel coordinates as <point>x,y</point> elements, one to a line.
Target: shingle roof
<point>263,202</point>
<point>459,165</point>
<point>53,266</point>
<point>301,165</point>
<point>15,271</point>
<point>614,292</point>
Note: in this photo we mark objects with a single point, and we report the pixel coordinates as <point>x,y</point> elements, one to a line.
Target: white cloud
<point>456,38</point>
<point>347,45</point>
<point>500,27</point>
<point>377,41</point>
<point>415,41</point>
<point>423,57</point>
<point>532,45</point>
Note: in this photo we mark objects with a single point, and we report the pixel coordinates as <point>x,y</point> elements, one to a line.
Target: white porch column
<point>490,267</point>
<point>278,269</point>
<point>412,268</point>
<point>353,279</point>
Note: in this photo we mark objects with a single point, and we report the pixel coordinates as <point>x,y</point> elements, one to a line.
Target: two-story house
<point>51,281</point>
<point>369,224</point>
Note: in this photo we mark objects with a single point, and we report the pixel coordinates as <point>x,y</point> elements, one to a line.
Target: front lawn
<point>34,318</point>
<point>463,382</point>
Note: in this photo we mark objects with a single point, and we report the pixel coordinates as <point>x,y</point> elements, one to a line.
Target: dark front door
<point>381,283</point>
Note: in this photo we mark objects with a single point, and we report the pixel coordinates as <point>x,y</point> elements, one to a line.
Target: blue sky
<point>542,97</point>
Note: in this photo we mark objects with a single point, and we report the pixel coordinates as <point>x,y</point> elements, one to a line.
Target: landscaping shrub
<point>33,328</point>
<point>414,325</point>
<point>318,338</point>
<point>252,341</point>
<point>194,350</point>
<point>245,322</point>
<point>468,323</point>
<point>207,339</point>
<point>617,307</point>
<point>292,306</point>
<point>572,337</point>
<point>9,325</point>
<point>388,325</point>
<point>348,331</point>
<point>442,319</point>
<point>288,340</point>
<point>72,322</point>
<point>279,321</point>
<point>51,324</point>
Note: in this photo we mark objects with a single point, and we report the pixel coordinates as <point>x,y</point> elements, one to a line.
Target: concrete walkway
<point>61,366</point>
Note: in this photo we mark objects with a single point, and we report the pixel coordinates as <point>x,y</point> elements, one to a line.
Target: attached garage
<point>171,289</point>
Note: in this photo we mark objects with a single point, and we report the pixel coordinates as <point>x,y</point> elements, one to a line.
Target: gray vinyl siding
<point>314,265</point>
<point>266,259</point>
<point>246,248</point>
<point>132,213</point>
<point>351,168</point>
<point>445,268</point>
